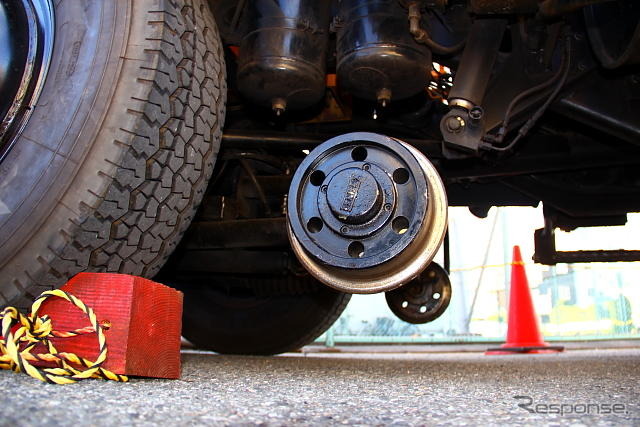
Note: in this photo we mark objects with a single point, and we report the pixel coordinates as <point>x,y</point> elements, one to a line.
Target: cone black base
<point>532,349</point>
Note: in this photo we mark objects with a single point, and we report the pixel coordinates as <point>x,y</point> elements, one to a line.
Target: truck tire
<point>114,161</point>
<point>232,320</point>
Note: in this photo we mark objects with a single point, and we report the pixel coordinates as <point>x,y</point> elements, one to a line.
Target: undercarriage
<point>520,106</point>
<point>351,126</point>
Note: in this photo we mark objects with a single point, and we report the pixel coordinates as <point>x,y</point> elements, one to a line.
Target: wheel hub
<point>353,195</point>
<point>423,299</point>
<point>357,204</point>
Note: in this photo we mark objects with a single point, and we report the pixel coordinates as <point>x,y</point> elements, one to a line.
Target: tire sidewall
<point>53,147</point>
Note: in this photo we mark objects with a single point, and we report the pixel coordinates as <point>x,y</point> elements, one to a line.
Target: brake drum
<point>366,213</point>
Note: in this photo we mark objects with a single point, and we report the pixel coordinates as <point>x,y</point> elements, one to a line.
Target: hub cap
<point>366,212</point>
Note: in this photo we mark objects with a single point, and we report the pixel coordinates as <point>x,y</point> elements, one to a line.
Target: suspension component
<point>463,126</point>
<point>366,212</point>
<point>282,58</point>
<point>423,299</point>
<point>378,59</point>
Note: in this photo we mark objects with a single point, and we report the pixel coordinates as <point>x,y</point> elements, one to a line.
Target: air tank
<point>378,59</point>
<point>282,58</point>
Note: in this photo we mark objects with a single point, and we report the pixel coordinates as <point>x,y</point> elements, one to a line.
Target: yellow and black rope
<point>16,344</point>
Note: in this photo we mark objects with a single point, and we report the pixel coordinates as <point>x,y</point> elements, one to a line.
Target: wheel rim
<point>424,299</point>
<point>414,244</point>
<point>29,26</point>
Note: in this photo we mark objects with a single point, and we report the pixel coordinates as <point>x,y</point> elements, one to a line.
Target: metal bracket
<point>546,253</point>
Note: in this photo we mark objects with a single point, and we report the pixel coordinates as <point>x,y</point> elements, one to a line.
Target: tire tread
<point>161,166</point>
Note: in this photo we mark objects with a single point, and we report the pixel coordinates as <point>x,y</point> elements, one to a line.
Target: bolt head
<point>476,113</point>
<point>455,124</point>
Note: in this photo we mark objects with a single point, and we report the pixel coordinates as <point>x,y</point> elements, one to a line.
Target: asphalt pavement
<point>578,387</point>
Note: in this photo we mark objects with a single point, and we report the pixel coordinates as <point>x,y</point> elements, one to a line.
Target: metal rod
<point>233,138</point>
<point>447,255</point>
<point>479,54</point>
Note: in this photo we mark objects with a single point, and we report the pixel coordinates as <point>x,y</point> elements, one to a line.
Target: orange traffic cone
<point>523,332</point>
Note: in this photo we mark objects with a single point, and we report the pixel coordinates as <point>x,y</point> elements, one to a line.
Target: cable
<point>523,95</point>
<point>438,48</point>
<point>563,72</point>
<point>515,101</point>
<point>422,36</point>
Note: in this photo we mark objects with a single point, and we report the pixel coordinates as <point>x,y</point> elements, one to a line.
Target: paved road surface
<point>339,388</point>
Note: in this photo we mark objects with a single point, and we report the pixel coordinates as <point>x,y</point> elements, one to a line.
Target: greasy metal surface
<point>605,105</point>
<point>242,233</point>
<point>359,201</point>
<point>282,58</point>
<point>546,253</point>
<point>239,138</point>
<point>463,128</point>
<point>406,264</point>
<point>503,6</point>
<point>423,299</point>
<point>378,59</point>
<point>460,131</point>
<point>476,64</point>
